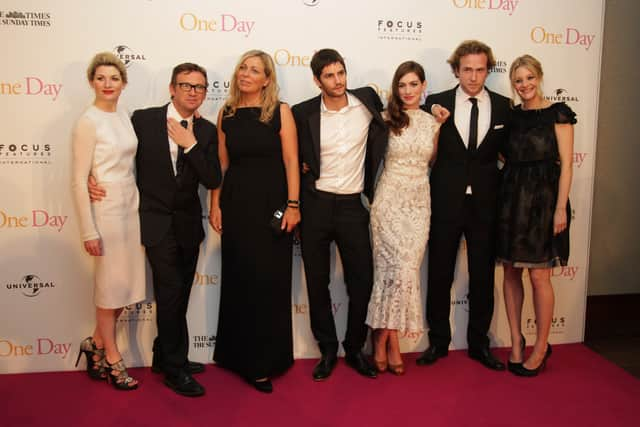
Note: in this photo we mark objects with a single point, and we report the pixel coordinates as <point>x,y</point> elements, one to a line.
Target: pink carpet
<point>578,388</point>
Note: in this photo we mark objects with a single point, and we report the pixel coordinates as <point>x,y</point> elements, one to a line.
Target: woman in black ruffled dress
<point>534,213</point>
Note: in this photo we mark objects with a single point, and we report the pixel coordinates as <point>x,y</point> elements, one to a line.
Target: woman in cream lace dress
<point>400,218</point>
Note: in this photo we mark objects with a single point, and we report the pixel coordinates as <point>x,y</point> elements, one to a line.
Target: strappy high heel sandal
<point>95,359</point>
<point>118,376</point>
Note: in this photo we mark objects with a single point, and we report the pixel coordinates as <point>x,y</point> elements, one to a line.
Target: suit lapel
<point>314,127</point>
<point>163,140</point>
<point>450,104</point>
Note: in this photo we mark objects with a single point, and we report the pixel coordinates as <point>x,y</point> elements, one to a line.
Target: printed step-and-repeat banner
<point>46,287</point>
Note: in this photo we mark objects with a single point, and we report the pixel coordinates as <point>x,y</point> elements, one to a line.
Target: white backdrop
<point>45,277</point>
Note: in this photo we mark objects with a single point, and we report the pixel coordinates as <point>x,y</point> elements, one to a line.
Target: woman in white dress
<point>400,218</point>
<point>104,146</point>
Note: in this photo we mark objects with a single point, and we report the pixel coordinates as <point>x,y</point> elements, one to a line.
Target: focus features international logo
<point>203,341</point>
<point>399,29</point>
<point>25,19</point>
<point>139,312</point>
<point>127,55</point>
<point>311,2</point>
<point>218,91</point>
<point>23,154</point>
<point>562,95</point>
<point>30,285</point>
<point>558,325</point>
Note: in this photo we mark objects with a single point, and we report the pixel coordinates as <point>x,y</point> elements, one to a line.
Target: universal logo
<point>128,56</point>
<point>218,90</point>
<point>500,67</point>
<point>562,95</point>
<point>461,302</point>
<point>30,285</point>
<point>558,325</point>
<point>25,19</point>
<point>139,312</point>
<point>203,341</point>
<point>311,3</point>
<point>25,154</point>
<point>399,29</point>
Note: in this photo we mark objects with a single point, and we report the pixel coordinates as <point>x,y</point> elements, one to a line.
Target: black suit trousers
<point>328,218</point>
<point>173,268</point>
<point>444,240</point>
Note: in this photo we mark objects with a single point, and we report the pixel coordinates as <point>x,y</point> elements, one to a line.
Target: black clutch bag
<point>276,220</point>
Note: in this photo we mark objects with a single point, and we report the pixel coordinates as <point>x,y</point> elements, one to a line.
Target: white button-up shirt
<point>173,147</point>
<point>343,146</point>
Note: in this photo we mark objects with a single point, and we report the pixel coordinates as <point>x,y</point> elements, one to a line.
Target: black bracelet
<point>293,206</point>
<point>293,202</point>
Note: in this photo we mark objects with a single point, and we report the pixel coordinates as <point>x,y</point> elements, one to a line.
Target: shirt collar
<point>462,96</point>
<point>352,102</point>
<point>173,114</point>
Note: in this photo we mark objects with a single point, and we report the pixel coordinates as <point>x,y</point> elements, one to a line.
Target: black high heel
<point>524,372</point>
<point>512,366</point>
<point>121,380</point>
<point>95,368</point>
<point>264,386</point>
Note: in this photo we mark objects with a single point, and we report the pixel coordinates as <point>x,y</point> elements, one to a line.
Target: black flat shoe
<point>324,367</point>
<point>184,384</point>
<point>432,354</point>
<point>263,386</point>
<point>485,357</point>
<point>524,372</point>
<point>361,365</point>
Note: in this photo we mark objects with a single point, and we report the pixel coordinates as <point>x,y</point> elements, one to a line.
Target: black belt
<point>334,196</point>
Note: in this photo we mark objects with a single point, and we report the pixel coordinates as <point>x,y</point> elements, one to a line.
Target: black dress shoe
<point>521,371</point>
<point>324,367</point>
<point>485,357</point>
<point>191,368</point>
<point>263,386</point>
<point>361,365</point>
<point>432,354</point>
<point>184,384</point>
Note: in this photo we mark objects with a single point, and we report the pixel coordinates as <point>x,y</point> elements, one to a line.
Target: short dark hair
<point>325,57</point>
<point>188,67</point>
<point>470,47</point>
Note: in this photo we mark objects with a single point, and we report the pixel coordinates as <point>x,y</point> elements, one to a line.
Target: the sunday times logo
<point>30,285</point>
<point>399,29</point>
<point>203,341</point>
<point>500,67</point>
<point>25,19</point>
<point>127,55</point>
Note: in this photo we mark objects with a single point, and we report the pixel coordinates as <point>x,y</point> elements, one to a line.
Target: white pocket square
<point>498,126</point>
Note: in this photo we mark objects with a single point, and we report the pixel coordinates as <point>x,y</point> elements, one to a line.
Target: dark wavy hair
<point>397,119</point>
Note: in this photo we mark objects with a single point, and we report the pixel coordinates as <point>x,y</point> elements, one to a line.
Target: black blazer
<point>455,167</point>
<point>307,118</point>
<point>164,199</point>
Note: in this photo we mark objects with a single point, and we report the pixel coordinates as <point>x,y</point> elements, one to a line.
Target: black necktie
<point>180,159</point>
<point>473,125</point>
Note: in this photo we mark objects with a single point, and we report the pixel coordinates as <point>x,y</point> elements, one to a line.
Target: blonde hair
<point>531,64</point>
<point>108,59</point>
<point>269,96</point>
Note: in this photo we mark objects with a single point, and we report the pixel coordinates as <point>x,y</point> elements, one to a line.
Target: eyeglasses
<point>186,87</point>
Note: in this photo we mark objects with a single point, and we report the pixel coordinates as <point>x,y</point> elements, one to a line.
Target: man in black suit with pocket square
<point>464,187</point>
<point>177,152</point>
<point>342,139</point>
